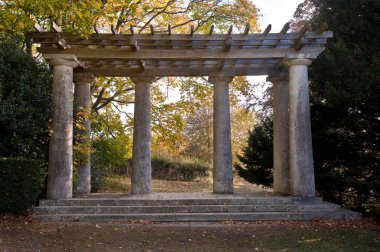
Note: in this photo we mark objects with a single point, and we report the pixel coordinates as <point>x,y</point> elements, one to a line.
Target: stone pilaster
<point>300,141</point>
<point>141,171</point>
<point>60,168</point>
<point>280,97</point>
<point>82,109</point>
<point>222,165</point>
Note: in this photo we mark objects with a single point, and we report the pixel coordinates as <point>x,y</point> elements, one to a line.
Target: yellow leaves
<point>21,24</point>
<point>97,4</point>
<point>79,14</point>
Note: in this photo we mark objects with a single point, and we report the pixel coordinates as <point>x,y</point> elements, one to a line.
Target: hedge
<point>21,182</point>
<point>179,168</point>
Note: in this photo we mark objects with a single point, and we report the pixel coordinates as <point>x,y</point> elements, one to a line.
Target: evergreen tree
<point>256,162</point>
<point>345,97</point>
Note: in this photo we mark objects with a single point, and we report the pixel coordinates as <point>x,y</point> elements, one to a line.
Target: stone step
<point>200,217</point>
<point>126,201</point>
<point>185,209</point>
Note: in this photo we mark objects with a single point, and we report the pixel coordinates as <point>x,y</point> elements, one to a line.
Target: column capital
<point>300,59</point>
<point>83,78</point>
<point>62,59</point>
<point>143,80</point>
<point>220,79</point>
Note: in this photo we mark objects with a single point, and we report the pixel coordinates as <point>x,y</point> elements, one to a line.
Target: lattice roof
<point>131,55</point>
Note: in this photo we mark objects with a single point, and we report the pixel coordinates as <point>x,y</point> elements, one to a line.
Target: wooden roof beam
<point>96,29</point>
<point>302,41</point>
<point>230,30</point>
<point>227,46</point>
<point>211,30</point>
<point>265,33</point>
<point>38,27</point>
<point>282,32</point>
<point>55,27</point>
<point>113,29</point>
<point>136,48</point>
<point>323,27</point>
<point>61,44</point>
<point>192,30</point>
<point>58,41</point>
<point>151,29</point>
<point>246,30</point>
<point>183,55</point>
<point>285,28</point>
<point>267,30</point>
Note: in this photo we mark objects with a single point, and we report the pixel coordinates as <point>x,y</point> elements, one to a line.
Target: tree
<point>25,103</point>
<point>256,162</point>
<point>345,95</point>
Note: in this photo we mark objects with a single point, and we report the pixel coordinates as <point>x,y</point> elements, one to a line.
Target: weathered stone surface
<point>141,180</point>
<point>82,109</point>
<point>189,207</point>
<point>222,172</point>
<point>60,166</point>
<point>281,173</point>
<point>300,145</point>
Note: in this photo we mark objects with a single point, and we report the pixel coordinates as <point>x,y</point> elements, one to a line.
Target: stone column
<point>281,173</point>
<point>82,109</point>
<point>300,142</point>
<point>141,170</point>
<point>60,168</point>
<point>222,165</point>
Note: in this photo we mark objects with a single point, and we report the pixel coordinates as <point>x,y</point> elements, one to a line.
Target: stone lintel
<point>62,59</point>
<point>220,79</point>
<point>143,80</point>
<point>83,78</point>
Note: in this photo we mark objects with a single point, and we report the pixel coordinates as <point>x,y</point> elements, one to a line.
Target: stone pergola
<point>283,56</point>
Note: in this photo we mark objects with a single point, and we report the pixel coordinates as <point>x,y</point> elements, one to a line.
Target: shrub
<point>178,168</point>
<point>109,157</point>
<point>98,177</point>
<point>21,182</point>
<point>25,103</point>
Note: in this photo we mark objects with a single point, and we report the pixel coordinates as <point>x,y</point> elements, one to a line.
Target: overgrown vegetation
<point>21,182</point>
<point>178,168</point>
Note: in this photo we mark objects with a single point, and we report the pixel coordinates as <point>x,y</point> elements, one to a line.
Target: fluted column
<point>222,165</point>
<point>300,141</point>
<point>60,168</point>
<point>141,170</point>
<point>82,108</point>
<point>280,96</point>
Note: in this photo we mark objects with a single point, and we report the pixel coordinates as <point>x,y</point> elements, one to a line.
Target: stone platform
<point>184,207</point>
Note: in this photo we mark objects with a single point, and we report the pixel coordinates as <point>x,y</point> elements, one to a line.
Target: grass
<point>122,184</point>
<point>21,235</point>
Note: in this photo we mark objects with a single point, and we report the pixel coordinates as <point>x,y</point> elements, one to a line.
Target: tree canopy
<point>345,96</point>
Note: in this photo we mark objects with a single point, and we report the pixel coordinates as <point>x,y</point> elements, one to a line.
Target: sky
<point>276,13</point>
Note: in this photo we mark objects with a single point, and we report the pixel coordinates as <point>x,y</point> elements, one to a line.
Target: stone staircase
<point>186,207</point>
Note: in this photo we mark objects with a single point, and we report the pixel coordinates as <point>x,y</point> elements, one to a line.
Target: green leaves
<point>25,103</point>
